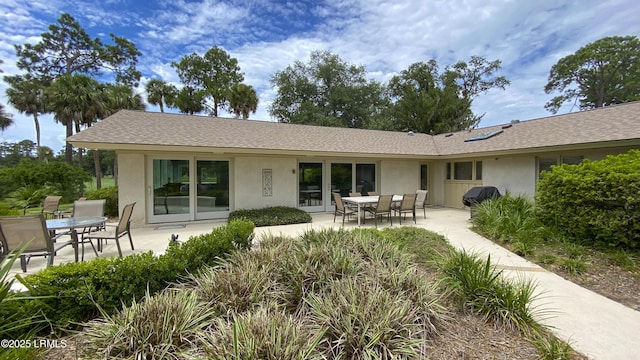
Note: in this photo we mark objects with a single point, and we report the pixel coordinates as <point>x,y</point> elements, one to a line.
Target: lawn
<point>106,182</point>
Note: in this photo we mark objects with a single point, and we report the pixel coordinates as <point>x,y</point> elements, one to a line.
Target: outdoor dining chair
<point>407,205</point>
<point>340,208</point>
<point>421,201</point>
<point>88,208</point>
<point>383,207</point>
<point>16,231</point>
<point>117,231</point>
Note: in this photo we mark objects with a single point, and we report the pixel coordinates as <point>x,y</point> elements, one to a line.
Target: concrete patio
<point>594,325</point>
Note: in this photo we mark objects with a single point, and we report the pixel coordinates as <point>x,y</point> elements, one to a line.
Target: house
<point>183,168</point>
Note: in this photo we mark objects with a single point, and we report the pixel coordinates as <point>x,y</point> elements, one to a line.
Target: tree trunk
<point>35,120</point>
<point>98,170</point>
<point>68,151</point>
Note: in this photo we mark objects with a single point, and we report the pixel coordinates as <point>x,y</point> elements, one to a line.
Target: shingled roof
<point>128,129</point>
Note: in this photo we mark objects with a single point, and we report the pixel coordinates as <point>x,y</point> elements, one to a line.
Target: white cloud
<point>385,36</point>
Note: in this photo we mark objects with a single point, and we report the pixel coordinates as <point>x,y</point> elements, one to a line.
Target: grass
<point>105,182</point>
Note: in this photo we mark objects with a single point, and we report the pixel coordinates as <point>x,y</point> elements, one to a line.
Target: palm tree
<point>161,93</point>
<point>243,100</point>
<point>76,100</point>
<point>5,119</point>
<point>28,96</point>
<point>118,97</point>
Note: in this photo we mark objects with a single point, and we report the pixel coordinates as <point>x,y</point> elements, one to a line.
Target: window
<point>463,170</point>
<point>545,164</point>
<point>478,170</point>
<point>572,160</point>
<point>424,177</point>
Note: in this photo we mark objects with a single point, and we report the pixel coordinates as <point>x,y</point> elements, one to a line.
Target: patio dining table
<point>362,201</point>
<point>72,223</point>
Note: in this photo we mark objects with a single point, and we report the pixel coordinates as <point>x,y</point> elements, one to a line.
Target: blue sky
<point>384,36</point>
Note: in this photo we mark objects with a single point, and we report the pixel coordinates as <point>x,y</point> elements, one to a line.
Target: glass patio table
<point>72,223</point>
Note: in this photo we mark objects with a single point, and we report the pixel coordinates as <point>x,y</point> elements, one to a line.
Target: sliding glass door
<point>187,189</point>
<point>311,186</point>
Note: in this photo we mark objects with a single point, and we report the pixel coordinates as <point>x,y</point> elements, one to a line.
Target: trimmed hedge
<point>595,201</point>
<point>110,194</point>
<point>277,215</point>
<point>70,290</point>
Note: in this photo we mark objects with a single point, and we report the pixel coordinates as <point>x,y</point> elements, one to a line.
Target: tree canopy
<point>243,100</point>
<point>427,101</point>
<point>602,73</point>
<point>67,49</point>
<point>211,75</point>
<point>326,91</point>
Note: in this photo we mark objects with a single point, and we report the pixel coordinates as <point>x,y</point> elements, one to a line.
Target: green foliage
<point>595,202</point>
<point>212,75</point>
<point>509,219</point>
<point>601,73</point>
<point>482,288</point>
<point>110,194</point>
<point>159,327</point>
<point>277,215</point>
<point>62,178</point>
<point>326,91</point>
<point>79,290</point>
<point>266,333</point>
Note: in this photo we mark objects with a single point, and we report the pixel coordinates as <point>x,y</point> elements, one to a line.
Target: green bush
<point>278,215</point>
<point>110,194</point>
<point>66,180</point>
<point>74,291</point>
<point>509,219</point>
<point>595,201</point>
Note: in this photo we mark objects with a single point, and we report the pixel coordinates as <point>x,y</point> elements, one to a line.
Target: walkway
<point>598,327</point>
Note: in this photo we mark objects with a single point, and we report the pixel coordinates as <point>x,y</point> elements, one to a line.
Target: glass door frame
<point>192,185</point>
<point>323,194</point>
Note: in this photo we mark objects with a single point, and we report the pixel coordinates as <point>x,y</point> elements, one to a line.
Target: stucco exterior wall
<point>131,184</point>
<point>515,175</point>
<point>248,182</point>
<point>399,176</point>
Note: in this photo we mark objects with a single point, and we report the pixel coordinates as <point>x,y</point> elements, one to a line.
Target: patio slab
<point>594,325</point>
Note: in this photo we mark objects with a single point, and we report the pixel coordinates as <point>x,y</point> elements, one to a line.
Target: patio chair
<point>373,193</point>
<point>340,208</point>
<point>383,207</point>
<point>82,208</point>
<point>123,228</point>
<point>421,201</point>
<point>354,194</point>
<point>16,231</point>
<point>407,205</point>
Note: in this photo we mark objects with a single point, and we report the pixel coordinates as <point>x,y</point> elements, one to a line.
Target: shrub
<point>65,179</point>
<point>110,194</point>
<point>509,219</point>
<point>482,288</point>
<point>161,326</point>
<point>278,215</point>
<point>266,333</point>
<point>75,290</point>
<point>595,201</point>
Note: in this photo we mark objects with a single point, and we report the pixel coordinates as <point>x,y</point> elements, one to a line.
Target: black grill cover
<point>478,194</point>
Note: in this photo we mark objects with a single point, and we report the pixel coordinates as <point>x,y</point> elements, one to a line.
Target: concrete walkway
<point>594,325</point>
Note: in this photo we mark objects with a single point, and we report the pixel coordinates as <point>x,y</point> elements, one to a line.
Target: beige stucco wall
<point>399,176</point>
<point>248,182</point>
<point>515,175</point>
<point>131,184</point>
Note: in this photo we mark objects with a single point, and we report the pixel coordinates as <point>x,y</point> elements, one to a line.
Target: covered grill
<point>478,194</point>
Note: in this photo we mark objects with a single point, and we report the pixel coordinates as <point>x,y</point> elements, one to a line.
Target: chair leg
<point>23,263</point>
<point>334,216</point>
<point>424,211</point>
<point>130,240</point>
<point>118,244</point>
